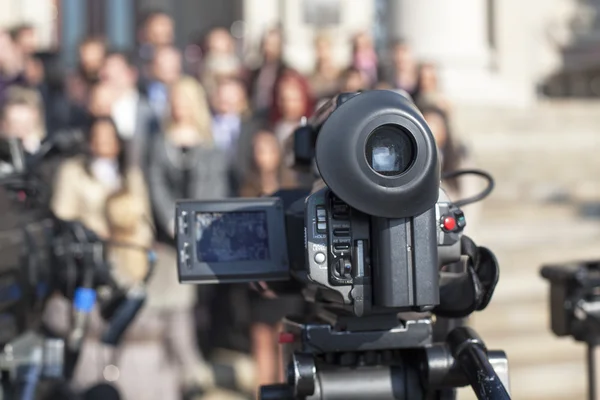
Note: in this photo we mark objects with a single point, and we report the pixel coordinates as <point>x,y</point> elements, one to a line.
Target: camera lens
<point>390,150</point>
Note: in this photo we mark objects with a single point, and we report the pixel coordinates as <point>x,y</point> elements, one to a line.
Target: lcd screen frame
<point>191,269</point>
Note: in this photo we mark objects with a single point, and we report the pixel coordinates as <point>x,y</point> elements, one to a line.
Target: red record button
<point>449,224</point>
<point>286,337</point>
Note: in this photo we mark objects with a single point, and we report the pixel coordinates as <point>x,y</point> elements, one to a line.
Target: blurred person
<point>364,58</point>
<point>101,101</point>
<point>401,72</point>
<point>131,112</point>
<point>11,64</point>
<point>266,175</point>
<point>157,357</point>
<point>25,37</point>
<point>428,91</point>
<point>157,30</point>
<point>233,128</point>
<point>292,101</point>
<point>22,117</point>
<point>454,156</point>
<point>91,53</point>
<point>325,80</point>
<point>353,81</point>
<point>164,71</point>
<point>185,162</point>
<point>221,61</point>
<point>262,80</point>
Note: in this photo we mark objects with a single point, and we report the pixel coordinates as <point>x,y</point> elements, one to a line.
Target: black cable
<point>478,197</point>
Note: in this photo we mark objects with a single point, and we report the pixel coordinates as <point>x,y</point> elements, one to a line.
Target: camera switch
<point>341,232</point>
<point>321,227</point>
<point>320,258</point>
<point>342,247</point>
<point>321,214</point>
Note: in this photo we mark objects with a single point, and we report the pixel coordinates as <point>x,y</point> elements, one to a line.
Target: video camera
<point>367,244</point>
<point>41,255</point>
<point>575,309</point>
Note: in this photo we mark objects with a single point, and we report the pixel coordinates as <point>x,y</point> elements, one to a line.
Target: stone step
<point>538,348</point>
<point>511,319</point>
<point>549,117</point>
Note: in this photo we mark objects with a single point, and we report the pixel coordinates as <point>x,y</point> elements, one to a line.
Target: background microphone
<point>102,391</point>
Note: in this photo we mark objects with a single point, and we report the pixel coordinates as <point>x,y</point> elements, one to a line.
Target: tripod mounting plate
<point>320,338</point>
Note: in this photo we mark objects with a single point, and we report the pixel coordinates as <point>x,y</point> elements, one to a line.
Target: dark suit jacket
<point>245,152</point>
<point>252,83</point>
<point>146,128</point>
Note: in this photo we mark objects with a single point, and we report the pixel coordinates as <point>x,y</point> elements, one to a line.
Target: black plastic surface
<point>341,159</point>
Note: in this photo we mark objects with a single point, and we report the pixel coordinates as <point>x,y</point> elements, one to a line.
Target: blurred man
<point>25,38</point>
<point>262,80</point>
<point>130,111</point>
<point>157,30</point>
<point>92,52</point>
<point>21,117</point>
<point>221,61</point>
<point>164,71</point>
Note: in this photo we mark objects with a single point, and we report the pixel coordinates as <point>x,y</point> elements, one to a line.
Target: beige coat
<point>158,355</point>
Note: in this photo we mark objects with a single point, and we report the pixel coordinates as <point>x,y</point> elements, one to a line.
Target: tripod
<point>349,359</point>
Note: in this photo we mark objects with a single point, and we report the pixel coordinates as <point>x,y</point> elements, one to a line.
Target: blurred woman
<point>108,197</point>
<point>292,102</point>
<point>266,174</point>
<point>265,177</point>
<point>364,58</point>
<point>262,80</point>
<point>185,162</point>
<point>428,90</point>
<point>453,156</point>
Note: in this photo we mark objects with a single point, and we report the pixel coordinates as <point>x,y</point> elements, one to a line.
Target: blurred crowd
<point>157,128</point>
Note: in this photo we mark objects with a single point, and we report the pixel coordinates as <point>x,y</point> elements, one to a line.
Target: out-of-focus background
<point>519,80</point>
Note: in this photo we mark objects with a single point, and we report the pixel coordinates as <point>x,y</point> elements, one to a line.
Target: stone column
<point>120,23</point>
<point>451,34</point>
<point>73,28</point>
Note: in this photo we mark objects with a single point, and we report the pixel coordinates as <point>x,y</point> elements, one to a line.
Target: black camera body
<point>368,245</point>
<point>575,299</point>
<point>376,234</point>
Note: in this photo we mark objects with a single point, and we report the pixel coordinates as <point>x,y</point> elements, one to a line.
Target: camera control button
<point>320,258</point>
<point>321,227</point>
<point>321,214</point>
<point>341,231</point>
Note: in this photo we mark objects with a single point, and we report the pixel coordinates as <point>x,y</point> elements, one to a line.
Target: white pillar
<point>453,35</point>
<point>258,15</point>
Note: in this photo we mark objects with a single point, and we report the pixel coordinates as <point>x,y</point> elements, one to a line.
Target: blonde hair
<point>196,98</point>
<point>20,95</point>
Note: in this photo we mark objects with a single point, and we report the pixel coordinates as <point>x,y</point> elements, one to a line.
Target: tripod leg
<point>593,354</point>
